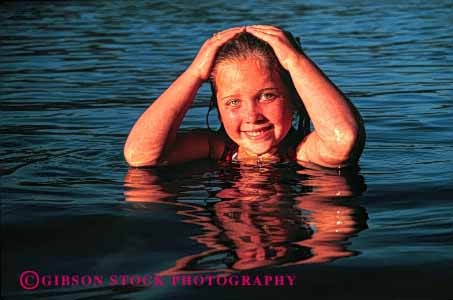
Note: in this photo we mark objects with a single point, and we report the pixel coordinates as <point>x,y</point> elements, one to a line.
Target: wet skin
<point>254,106</point>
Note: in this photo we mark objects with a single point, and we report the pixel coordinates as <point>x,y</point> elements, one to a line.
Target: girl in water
<point>260,79</point>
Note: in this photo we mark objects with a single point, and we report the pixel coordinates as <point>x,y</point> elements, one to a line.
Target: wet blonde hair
<point>245,45</point>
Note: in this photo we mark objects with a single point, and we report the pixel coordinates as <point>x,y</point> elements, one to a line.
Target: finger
<point>265,36</point>
<point>262,31</point>
<point>224,36</point>
<point>261,25</point>
<point>241,28</point>
<point>266,28</point>
<point>234,30</point>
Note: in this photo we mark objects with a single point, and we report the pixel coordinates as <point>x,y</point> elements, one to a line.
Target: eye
<point>232,102</point>
<point>268,96</point>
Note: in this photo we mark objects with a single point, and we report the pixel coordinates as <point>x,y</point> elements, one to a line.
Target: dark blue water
<point>75,77</point>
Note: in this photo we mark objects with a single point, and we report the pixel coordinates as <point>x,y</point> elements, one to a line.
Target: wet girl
<point>260,80</point>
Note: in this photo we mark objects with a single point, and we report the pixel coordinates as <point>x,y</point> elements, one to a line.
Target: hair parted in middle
<point>246,45</point>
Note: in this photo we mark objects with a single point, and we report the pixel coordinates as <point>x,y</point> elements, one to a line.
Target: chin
<point>259,149</point>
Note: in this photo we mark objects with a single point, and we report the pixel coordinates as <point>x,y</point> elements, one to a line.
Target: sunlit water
<point>74,78</point>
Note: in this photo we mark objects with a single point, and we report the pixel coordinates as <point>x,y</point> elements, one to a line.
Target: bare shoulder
<point>195,144</point>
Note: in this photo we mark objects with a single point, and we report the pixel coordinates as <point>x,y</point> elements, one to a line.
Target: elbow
<point>346,142</point>
<point>138,159</point>
<point>347,147</point>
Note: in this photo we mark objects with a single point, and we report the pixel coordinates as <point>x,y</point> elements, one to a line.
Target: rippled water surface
<point>76,75</point>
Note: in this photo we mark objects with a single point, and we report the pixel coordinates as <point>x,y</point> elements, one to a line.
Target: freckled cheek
<point>277,114</point>
<point>231,120</point>
<point>281,117</point>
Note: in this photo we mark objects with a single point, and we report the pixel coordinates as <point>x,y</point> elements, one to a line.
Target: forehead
<point>247,73</point>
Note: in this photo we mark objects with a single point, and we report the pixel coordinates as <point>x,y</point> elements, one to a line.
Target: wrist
<point>192,75</point>
<point>296,61</point>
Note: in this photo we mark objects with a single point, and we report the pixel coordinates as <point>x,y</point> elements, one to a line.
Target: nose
<point>252,113</point>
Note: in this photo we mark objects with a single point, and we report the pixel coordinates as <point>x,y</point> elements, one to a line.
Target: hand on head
<point>253,95</point>
<point>277,38</point>
<point>260,78</point>
<point>203,62</point>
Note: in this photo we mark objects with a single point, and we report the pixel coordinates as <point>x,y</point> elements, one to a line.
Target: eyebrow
<point>260,91</point>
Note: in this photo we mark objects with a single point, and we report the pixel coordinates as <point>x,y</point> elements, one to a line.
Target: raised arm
<point>153,138</point>
<point>339,135</point>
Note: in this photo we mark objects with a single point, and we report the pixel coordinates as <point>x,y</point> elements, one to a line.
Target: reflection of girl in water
<point>264,220</point>
<point>260,78</point>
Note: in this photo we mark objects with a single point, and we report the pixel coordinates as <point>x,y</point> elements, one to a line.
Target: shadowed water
<point>74,78</point>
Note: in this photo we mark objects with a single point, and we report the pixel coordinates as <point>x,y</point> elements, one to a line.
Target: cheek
<point>230,119</point>
<point>279,114</point>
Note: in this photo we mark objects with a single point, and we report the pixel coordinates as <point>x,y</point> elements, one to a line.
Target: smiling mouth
<point>256,134</point>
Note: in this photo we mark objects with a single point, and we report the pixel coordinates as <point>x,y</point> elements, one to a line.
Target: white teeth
<point>255,133</point>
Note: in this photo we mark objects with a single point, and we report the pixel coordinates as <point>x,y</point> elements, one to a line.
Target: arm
<point>153,138</point>
<point>339,135</point>
<point>155,130</point>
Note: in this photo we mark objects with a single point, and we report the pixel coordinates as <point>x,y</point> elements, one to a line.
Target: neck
<point>270,156</point>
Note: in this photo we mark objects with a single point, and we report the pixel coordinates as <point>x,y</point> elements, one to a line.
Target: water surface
<point>75,77</point>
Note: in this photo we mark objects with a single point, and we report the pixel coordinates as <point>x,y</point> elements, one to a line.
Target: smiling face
<point>254,105</point>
